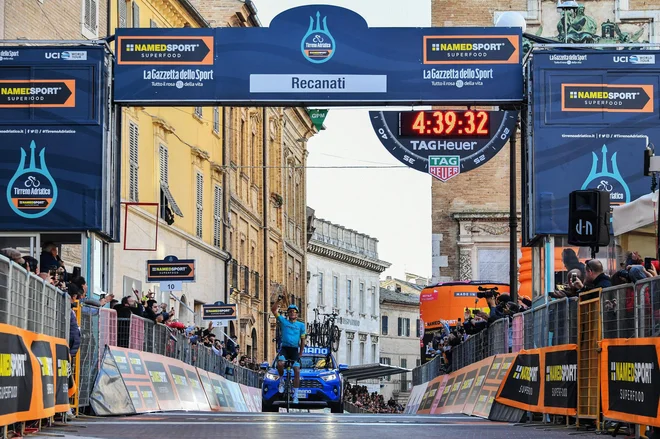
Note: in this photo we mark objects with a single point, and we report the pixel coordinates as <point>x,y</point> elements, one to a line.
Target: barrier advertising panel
<point>432,394</point>
<point>32,375</point>
<point>57,167</point>
<point>522,386</point>
<point>318,54</point>
<point>415,398</point>
<point>594,112</point>
<point>630,380</point>
<point>560,380</point>
<point>496,374</point>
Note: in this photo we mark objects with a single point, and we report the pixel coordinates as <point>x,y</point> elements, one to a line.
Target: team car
<point>321,383</point>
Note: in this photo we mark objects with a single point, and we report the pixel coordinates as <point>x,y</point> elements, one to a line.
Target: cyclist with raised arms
<point>293,342</point>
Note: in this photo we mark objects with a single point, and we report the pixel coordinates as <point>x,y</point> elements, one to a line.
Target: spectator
<point>32,264</point>
<point>74,329</point>
<point>15,256</point>
<point>594,277</point>
<point>50,259</point>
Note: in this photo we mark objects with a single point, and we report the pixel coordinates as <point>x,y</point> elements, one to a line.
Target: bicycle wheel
<point>336,335</point>
<point>287,389</point>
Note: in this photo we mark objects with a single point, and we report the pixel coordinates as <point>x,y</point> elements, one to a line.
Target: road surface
<point>300,425</point>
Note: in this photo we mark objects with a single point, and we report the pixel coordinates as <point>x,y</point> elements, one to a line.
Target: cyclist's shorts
<point>289,353</point>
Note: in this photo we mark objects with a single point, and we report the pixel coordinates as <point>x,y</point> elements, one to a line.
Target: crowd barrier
<point>594,357</point>
<point>34,348</point>
<point>152,382</point>
<point>101,327</point>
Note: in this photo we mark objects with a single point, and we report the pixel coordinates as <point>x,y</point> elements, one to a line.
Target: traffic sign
<point>171,269</point>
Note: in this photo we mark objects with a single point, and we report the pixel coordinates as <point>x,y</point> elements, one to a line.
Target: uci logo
<point>53,55</point>
<point>621,59</point>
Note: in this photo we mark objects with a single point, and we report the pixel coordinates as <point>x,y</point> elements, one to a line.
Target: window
<point>418,331</point>
<point>349,287</point>
<point>362,359</point>
<point>164,159</point>
<point>133,155</point>
<point>374,353</point>
<point>363,305</point>
<point>320,289</point>
<point>404,376</point>
<point>383,325</point>
<point>387,361</point>
<point>493,264</point>
<point>200,204</point>
<point>349,351</point>
<point>167,203</point>
<point>404,327</point>
<point>136,15</point>
<point>123,13</point>
<point>216,120</point>
<point>90,16</point>
<point>198,112</point>
<point>335,291</point>
<point>373,301</point>
<point>217,216</point>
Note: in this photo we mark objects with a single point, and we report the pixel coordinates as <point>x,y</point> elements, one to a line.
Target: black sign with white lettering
<point>443,143</point>
<point>16,379</point>
<point>522,386</point>
<point>44,353</point>
<point>632,379</point>
<point>171,268</point>
<point>560,384</point>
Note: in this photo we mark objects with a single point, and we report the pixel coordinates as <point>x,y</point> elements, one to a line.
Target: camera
<point>487,292</point>
<point>574,277</point>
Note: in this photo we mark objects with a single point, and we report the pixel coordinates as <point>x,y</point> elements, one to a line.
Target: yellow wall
<point>191,141</point>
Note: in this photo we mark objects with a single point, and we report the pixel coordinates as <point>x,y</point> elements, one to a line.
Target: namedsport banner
<point>630,380</point>
<point>34,372</point>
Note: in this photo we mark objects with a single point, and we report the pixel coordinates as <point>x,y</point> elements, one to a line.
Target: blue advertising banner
<point>52,134</point>
<point>318,55</point>
<point>594,112</point>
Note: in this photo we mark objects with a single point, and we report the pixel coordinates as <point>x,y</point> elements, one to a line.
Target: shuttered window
<point>216,119</point>
<point>133,160</point>
<point>136,15</point>
<point>164,164</point>
<point>217,216</point>
<point>200,204</point>
<point>90,18</point>
<point>123,12</point>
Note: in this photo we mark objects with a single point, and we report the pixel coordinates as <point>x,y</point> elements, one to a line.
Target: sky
<point>392,205</point>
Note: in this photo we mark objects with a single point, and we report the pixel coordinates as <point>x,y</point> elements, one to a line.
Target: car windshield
<point>315,362</point>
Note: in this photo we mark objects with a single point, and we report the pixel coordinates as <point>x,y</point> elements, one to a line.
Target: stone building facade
<point>470,213</point>
<point>399,340</point>
<point>343,269</point>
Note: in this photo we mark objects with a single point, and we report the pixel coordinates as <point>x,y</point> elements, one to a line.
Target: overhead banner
<point>318,55</point>
<point>630,380</point>
<point>52,101</point>
<point>594,112</point>
<point>34,375</point>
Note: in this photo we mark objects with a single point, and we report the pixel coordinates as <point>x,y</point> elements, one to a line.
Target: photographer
<point>571,288</point>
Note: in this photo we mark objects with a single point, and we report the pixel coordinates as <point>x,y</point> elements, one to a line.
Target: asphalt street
<point>306,425</point>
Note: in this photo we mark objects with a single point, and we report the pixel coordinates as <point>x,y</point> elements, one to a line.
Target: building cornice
<point>347,258</point>
<point>483,216</point>
<point>235,202</point>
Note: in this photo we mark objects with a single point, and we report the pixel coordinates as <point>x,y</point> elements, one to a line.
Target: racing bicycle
<point>324,333</point>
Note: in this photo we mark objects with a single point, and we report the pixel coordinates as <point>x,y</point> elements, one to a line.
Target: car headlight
<point>272,376</point>
<point>330,377</point>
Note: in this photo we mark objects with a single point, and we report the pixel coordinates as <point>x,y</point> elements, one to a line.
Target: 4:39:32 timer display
<point>444,123</point>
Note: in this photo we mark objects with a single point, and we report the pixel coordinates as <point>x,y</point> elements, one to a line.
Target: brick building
<point>470,213</point>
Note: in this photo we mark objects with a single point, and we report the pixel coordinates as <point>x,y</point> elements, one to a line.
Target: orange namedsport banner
<point>34,375</point>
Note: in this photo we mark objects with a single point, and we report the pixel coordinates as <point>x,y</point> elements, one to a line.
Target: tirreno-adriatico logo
<point>318,45</point>
<point>32,192</point>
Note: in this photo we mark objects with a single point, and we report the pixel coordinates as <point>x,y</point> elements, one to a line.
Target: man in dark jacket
<point>74,329</point>
<point>594,277</point>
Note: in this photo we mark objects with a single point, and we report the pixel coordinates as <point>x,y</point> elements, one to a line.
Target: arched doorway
<point>255,345</point>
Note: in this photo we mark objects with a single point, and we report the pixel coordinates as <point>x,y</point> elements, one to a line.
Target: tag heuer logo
<point>444,167</point>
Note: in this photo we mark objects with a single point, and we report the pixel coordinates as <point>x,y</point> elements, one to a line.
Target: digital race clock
<point>444,143</point>
<point>444,123</point>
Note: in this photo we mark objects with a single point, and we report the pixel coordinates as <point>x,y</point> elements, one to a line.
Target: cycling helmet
<point>292,306</point>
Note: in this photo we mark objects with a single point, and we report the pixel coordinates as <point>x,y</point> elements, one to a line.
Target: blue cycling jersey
<point>291,332</point>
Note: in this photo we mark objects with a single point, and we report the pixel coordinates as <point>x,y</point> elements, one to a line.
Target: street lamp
<point>565,6</point>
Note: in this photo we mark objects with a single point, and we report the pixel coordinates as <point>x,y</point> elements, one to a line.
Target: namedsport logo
<point>318,45</point>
